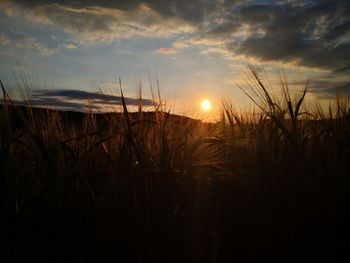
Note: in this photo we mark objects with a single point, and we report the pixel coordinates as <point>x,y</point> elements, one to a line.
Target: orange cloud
<point>166,50</point>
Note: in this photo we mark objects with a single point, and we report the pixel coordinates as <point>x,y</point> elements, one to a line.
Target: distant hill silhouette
<point>102,119</point>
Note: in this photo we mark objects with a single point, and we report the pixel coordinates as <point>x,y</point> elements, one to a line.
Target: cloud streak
<point>79,100</point>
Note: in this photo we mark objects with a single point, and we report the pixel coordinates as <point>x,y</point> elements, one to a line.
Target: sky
<point>71,51</point>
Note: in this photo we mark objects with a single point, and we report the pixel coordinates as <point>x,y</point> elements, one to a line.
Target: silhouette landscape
<point>89,175</point>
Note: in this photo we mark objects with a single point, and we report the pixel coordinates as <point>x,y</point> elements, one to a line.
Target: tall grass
<point>144,186</point>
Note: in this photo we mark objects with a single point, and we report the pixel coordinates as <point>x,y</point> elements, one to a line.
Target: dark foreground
<point>151,187</point>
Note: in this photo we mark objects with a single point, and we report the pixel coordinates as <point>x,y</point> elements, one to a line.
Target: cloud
<point>314,34</point>
<point>180,43</point>
<point>34,44</point>
<point>307,36</point>
<point>96,97</point>
<point>325,89</point>
<point>100,23</point>
<point>166,50</point>
<point>10,9</point>
<point>79,100</point>
<point>223,30</point>
<point>5,40</point>
<point>51,103</point>
<point>191,11</point>
<point>70,46</point>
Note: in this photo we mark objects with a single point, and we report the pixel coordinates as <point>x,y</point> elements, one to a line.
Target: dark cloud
<point>316,36</point>
<point>223,30</point>
<point>260,14</point>
<point>193,11</point>
<point>96,97</point>
<point>106,21</point>
<point>120,4</point>
<point>50,102</point>
<point>325,89</point>
<point>77,100</point>
<point>337,31</point>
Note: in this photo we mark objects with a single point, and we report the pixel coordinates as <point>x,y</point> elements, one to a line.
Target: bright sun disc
<point>206,105</point>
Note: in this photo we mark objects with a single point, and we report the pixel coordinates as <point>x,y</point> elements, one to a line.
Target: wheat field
<point>271,184</point>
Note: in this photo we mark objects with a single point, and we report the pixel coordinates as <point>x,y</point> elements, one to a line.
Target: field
<point>272,184</point>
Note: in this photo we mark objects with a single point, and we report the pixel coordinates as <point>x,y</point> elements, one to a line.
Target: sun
<point>206,105</point>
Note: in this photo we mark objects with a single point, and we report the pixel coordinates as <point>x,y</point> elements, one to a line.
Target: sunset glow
<point>206,105</point>
<point>68,45</point>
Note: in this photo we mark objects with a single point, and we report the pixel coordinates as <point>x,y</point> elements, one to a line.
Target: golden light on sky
<point>68,45</point>
<point>205,105</point>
